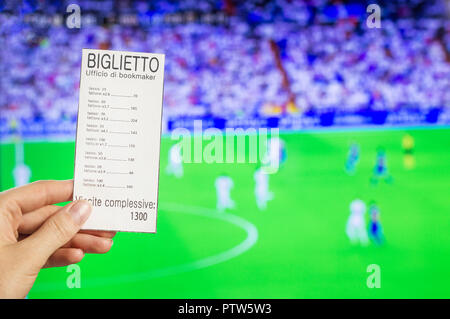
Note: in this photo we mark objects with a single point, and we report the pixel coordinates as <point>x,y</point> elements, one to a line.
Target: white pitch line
<point>249,241</point>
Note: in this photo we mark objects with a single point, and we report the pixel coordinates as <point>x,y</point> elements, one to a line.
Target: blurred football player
<point>375,230</point>
<point>408,152</point>
<point>352,159</point>
<point>356,224</point>
<point>175,165</point>
<point>223,185</point>
<point>275,155</point>
<point>21,172</point>
<point>262,193</point>
<point>380,170</point>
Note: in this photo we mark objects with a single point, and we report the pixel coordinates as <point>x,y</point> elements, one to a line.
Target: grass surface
<point>301,250</point>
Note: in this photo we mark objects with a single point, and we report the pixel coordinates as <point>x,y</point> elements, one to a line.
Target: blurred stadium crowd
<point>266,59</point>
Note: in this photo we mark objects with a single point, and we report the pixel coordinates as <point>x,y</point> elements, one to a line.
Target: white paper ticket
<point>118,138</point>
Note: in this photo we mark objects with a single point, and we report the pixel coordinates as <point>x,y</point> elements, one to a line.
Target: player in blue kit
<point>375,230</point>
<point>352,159</point>
<point>380,170</point>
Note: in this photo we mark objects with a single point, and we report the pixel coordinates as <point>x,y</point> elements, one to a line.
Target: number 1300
<point>141,216</point>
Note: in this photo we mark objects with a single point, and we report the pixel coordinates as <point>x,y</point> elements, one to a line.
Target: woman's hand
<point>34,233</point>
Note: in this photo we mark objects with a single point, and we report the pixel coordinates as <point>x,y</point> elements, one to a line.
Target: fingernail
<point>80,211</point>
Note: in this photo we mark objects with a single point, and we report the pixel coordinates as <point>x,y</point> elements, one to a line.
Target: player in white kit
<point>262,193</point>
<point>224,184</point>
<point>275,155</point>
<point>175,166</point>
<point>356,224</point>
<point>21,172</point>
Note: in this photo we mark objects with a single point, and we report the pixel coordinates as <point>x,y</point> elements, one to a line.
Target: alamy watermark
<point>374,18</point>
<point>73,20</point>
<point>233,145</point>
<point>74,279</point>
<point>374,279</point>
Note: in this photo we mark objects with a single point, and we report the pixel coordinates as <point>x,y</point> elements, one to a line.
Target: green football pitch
<point>297,248</point>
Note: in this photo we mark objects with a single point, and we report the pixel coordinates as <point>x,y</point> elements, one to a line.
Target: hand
<point>34,233</point>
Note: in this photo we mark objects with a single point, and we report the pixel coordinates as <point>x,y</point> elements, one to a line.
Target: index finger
<point>39,194</point>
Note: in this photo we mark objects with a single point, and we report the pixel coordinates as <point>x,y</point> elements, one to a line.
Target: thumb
<point>56,231</point>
